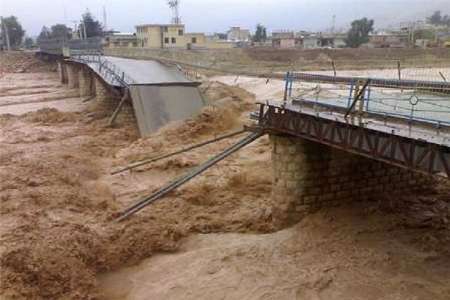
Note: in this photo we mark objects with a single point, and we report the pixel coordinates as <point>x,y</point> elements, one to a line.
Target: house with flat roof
<point>237,34</point>
<point>285,40</point>
<point>120,39</point>
<point>160,36</point>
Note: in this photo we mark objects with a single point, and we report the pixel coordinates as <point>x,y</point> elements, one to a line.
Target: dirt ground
<point>212,238</point>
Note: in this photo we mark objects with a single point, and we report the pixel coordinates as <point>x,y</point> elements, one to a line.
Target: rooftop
<point>160,25</point>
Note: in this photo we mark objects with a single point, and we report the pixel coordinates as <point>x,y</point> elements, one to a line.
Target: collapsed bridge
<point>324,151</point>
<point>159,93</point>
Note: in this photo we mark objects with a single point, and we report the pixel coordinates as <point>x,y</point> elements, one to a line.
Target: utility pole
<point>333,24</point>
<point>105,20</point>
<point>84,30</point>
<point>5,30</point>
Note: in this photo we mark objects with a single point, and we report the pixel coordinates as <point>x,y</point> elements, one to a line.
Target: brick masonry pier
<point>309,175</point>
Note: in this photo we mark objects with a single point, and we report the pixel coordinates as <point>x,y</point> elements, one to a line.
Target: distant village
<point>433,32</point>
<point>160,36</point>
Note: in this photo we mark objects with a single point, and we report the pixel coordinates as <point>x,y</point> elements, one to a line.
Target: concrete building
<point>388,40</point>
<point>311,42</point>
<point>115,40</point>
<point>195,40</point>
<point>160,36</point>
<point>237,34</point>
<point>285,40</point>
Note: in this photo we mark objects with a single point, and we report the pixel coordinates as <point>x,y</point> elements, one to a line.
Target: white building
<point>237,34</point>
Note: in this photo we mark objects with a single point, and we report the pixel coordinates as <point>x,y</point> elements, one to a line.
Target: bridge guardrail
<point>109,71</point>
<point>411,104</point>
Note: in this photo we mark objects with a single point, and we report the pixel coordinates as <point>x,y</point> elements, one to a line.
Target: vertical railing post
<point>291,83</point>
<point>368,98</point>
<point>350,97</point>
<point>261,114</point>
<point>286,86</point>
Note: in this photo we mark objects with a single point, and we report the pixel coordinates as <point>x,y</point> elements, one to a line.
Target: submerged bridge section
<point>158,93</point>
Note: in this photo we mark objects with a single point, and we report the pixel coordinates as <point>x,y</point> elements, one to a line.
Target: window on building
<point>180,32</point>
<point>166,29</point>
<point>166,40</point>
<point>194,40</point>
<point>174,40</point>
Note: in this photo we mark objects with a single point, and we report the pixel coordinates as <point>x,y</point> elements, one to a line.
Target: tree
<point>438,19</point>
<point>45,33</point>
<point>260,34</point>
<point>28,43</point>
<point>89,27</point>
<point>359,32</point>
<point>60,31</point>
<point>14,30</point>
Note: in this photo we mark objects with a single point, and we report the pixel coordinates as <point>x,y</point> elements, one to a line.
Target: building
<point>332,40</point>
<point>285,39</point>
<point>389,40</point>
<point>311,42</point>
<point>195,40</point>
<point>237,34</point>
<point>161,36</point>
<point>118,39</point>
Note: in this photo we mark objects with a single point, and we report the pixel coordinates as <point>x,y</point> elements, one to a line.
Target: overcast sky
<point>217,15</point>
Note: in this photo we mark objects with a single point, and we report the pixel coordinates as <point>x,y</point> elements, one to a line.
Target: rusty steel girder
<point>414,154</point>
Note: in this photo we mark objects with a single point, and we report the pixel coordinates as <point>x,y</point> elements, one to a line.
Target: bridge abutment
<point>309,175</point>
<point>72,76</point>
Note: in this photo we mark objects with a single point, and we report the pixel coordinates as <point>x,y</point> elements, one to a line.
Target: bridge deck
<point>409,144</point>
<point>135,72</point>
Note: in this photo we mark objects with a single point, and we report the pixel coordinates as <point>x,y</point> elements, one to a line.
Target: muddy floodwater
<point>212,238</point>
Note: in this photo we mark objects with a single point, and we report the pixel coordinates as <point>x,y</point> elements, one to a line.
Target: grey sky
<point>218,15</point>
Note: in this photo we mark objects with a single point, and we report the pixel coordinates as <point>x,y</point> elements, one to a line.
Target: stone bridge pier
<point>62,72</point>
<point>85,82</point>
<point>309,175</point>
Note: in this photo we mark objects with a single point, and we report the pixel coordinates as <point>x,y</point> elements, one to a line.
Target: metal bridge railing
<point>411,104</point>
<point>109,71</point>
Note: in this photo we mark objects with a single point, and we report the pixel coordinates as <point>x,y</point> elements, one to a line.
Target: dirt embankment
<point>23,62</point>
<point>266,60</point>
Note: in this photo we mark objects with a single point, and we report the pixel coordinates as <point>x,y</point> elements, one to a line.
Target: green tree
<point>90,26</point>
<point>60,31</point>
<point>260,34</point>
<point>14,29</point>
<point>28,43</point>
<point>359,32</point>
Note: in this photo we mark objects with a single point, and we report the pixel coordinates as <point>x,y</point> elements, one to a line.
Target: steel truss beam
<point>433,86</point>
<point>409,153</point>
